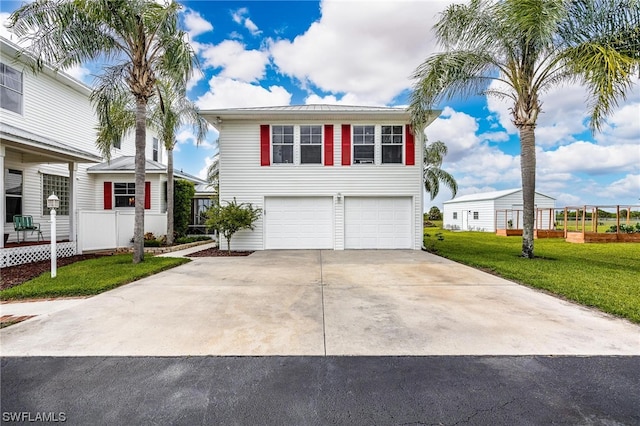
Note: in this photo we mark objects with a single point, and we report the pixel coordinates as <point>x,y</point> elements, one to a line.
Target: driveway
<point>322,303</point>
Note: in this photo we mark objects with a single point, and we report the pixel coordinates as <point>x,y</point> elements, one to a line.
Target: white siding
<point>242,177</point>
<point>486,210</point>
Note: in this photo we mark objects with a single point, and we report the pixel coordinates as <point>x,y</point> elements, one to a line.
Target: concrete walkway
<point>322,303</point>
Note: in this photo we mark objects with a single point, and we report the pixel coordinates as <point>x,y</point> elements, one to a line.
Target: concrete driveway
<point>322,303</point>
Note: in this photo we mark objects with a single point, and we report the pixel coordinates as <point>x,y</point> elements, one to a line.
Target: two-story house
<point>326,176</point>
<point>47,145</point>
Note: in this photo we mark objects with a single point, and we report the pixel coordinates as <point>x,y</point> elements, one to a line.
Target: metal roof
<point>41,149</point>
<point>127,164</point>
<point>311,112</point>
<point>492,195</point>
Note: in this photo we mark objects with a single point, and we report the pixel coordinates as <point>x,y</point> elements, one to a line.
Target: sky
<point>363,52</point>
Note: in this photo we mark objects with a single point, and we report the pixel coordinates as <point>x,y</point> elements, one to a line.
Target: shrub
<point>182,195</point>
<point>231,218</point>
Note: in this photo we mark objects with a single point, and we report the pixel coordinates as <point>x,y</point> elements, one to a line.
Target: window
<point>311,144</point>
<point>282,143</point>
<point>392,144</point>
<point>155,150</point>
<point>363,144</point>
<point>10,89</point>
<point>455,215</point>
<point>475,215</point>
<point>117,144</point>
<point>125,194</point>
<point>199,210</point>
<point>13,193</point>
<point>58,185</point>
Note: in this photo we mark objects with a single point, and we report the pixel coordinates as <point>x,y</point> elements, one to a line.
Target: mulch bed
<point>216,252</point>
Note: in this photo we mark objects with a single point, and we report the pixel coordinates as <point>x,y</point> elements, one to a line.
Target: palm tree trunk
<point>169,196</point>
<point>528,170</point>
<point>140,143</point>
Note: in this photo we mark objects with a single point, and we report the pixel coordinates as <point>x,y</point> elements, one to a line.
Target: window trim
<point>402,144</point>
<point>155,149</point>
<point>320,144</point>
<point>293,144</point>
<point>21,92</point>
<point>131,195</point>
<point>20,197</point>
<point>353,144</point>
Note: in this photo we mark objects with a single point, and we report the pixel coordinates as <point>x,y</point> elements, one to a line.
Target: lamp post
<point>53,203</point>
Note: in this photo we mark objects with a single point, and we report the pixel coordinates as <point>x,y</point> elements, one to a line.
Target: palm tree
<point>171,111</point>
<point>139,39</point>
<point>434,153</point>
<point>528,47</point>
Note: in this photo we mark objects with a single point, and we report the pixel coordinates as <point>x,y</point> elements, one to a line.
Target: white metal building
<point>326,176</point>
<point>477,212</point>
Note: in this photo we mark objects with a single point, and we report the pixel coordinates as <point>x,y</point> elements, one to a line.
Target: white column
<point>2,196</point>
<point>73,202</point>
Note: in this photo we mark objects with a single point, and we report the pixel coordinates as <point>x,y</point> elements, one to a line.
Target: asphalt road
<point>523,390</point>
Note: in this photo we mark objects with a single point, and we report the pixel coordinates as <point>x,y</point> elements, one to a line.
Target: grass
<point>89,277</point>
<point>604,276</point>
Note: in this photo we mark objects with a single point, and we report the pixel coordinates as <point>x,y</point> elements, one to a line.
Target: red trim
<point>410,147</point>
<point>265,149</point>
<point>328,144</point>
<point>108,196</point>
<point>346,144</point>
<point>147,195</point>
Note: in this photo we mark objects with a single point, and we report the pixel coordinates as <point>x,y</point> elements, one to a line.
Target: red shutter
<point>108,196</point>
<point>410,147</point>
<point>328,144</point>
<point>346,144</point>
<point>265,149</point>
<point>147,195</point>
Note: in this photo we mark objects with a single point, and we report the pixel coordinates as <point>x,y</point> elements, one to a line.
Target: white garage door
<point>378,223</point>
<point>299,223</point>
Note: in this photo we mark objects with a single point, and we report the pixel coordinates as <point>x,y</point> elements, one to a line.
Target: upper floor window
<point>363,144</point>
<point>58,185</point>
<point>13,193</point>
<point>282,144</point>
<point>125,194</point>
<point>10,89</point>
<point>156,149</point>
<point>392,138</point>
<point>310,144</point>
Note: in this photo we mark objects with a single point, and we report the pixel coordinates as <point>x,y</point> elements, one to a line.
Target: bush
<point>187,240</point>
<point>182,196</point>
<point>231,218</point>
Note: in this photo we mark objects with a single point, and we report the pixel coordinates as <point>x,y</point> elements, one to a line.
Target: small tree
<point>232,217</point>
<point>182,195</point>
<point>434,213</point>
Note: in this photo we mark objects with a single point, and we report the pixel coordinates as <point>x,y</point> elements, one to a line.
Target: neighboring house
<point>477,212</point>
<point>47,144</point>
<point>326,176</point>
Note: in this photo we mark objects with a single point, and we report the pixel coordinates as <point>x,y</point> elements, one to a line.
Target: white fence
<point>34,253</point>
<point>100,230</point>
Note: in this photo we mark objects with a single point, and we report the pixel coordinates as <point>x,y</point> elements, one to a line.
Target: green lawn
<point>605,276</point>
<point>90,277</point>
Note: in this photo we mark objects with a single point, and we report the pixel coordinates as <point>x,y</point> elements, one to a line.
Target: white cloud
<point>457,130</point>
<point>195,24</point>
<point>241,17</point>
<point>80,73</point>
<point>202,173</point>
<point>229,93</point>
<point>585,157</point>
<point>368,51</point>
<point>236,62</point>
<point>347,99</point>
<point>195,78</point>
<point>627,187</point>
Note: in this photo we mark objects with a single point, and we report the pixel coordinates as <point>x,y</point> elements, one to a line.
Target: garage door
<point>299,223</point>
<point>378,223</point>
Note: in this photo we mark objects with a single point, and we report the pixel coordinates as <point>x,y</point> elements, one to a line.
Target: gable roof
<point>492,195</point>
<point>127,164</point>
<point>311,112</point>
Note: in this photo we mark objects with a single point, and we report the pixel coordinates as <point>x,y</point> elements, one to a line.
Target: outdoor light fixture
<point>53,202</point>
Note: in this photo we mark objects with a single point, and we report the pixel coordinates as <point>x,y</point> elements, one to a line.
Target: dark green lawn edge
<point>25,290</point>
